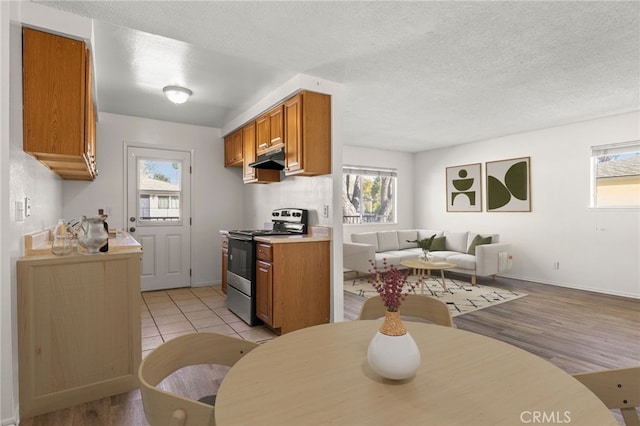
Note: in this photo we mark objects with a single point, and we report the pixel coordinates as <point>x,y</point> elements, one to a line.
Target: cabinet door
<point>251,175</point>
<point>264,292</point>
<point>308,134</point>
<point>276,127</point>
<point>53,94</point>
<point>90,121</point>
<point>249,144</point>
<point>262,134</point>
<point>293,134</point>
<point>233,149</point>
<point>228,151</point>
<point>270,130</point>
<point>79,322</point>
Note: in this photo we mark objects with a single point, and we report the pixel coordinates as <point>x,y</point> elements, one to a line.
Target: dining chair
<point>618,388</point>
<point>424,307</point>
<point>166,408</point>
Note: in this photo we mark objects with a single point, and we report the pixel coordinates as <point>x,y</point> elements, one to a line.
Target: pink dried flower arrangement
<point>389,283</point>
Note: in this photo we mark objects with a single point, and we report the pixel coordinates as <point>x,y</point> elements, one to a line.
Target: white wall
<point>217,192</point>
<point>22,176</point>
<point>403,162</point>
<point>7,384</point>
<point>598,249</point>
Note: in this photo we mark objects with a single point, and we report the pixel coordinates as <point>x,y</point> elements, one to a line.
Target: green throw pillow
<point>438,244</point>
<point>478,241</point>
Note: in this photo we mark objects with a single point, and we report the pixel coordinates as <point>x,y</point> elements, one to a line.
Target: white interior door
<point>159,214</point>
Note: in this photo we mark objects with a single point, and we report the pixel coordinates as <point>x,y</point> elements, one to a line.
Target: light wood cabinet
<point>58,111</point>
<point>225,262</point>
<point>307,134</point>
<point>270,131</point>
<point>292,285</point>
<point>251,175</point>
<point>78,328</point>
<point>233,151</point>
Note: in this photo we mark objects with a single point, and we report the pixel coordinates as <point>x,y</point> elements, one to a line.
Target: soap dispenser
<point>62,240</point>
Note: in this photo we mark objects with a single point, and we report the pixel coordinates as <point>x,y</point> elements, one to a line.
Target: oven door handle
<point>240,237</point>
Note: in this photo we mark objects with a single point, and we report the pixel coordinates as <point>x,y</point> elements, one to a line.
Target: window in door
<point>369,195</point>
<point>159,190</point>
<point>615,175</point>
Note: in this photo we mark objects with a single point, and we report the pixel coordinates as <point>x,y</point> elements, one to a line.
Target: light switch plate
<point>19,211</point>
<point>27,207</point>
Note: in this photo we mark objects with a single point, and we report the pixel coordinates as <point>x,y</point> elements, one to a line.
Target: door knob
<point>132,229</point>
<point>132,219</point>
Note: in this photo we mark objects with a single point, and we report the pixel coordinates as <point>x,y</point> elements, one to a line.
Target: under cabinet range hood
<point>273,160</point>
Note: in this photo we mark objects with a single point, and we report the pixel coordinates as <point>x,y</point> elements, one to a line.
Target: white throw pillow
<point>456,241</point>
<point>427,233</point>
<point>366,238</point>
<point>404,236</point>
<point>388,240</point>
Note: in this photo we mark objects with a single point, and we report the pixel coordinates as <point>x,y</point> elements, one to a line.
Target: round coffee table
<point>419,267</point>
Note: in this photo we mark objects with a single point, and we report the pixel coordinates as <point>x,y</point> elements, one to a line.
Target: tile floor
<point>170,313</point>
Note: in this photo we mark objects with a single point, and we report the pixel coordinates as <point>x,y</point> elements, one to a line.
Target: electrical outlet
<point>27,207</point>
<point>325,212</point>
<point>556,265</point>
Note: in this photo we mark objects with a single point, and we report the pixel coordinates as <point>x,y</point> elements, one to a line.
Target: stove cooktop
<point>256,232</point>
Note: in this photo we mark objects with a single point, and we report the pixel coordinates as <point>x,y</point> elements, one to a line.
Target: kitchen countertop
<point>39,244</point>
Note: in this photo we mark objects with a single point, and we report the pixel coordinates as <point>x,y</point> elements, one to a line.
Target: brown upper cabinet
<point>233,155</point>
<point>269,131</point>
<point>301,124</point>
<point>307,134</point>
<point>250,174</point>
<point>58,111</point>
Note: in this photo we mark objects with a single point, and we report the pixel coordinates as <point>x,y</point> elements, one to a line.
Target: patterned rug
<point>461,297</point>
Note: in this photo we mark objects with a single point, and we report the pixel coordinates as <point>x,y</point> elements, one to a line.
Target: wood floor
<point>577,331</point>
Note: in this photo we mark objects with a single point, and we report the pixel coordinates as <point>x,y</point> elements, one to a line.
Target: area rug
<point>460,296</point>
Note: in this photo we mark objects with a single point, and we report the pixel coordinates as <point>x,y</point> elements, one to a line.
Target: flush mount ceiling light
<point>177,94</point>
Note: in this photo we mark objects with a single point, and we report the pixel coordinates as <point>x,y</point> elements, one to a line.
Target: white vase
<point>393,356</point>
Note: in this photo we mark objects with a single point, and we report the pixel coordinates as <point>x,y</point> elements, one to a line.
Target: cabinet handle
<point>275,139</point>
<point>263,145</point>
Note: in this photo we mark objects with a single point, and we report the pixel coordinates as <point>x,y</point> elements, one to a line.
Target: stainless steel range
<point>241,271</point>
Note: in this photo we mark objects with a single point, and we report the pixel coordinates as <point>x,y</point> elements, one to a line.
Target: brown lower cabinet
<point>293,284</point>
<point>79,336</point>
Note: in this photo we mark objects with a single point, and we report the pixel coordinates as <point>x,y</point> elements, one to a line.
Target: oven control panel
<point>290,215</point>
<point>290,220</point>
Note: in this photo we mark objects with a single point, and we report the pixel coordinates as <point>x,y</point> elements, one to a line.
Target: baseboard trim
<point>572,286</point>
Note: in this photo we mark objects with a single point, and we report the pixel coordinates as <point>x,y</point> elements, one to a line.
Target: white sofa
<point>394,247</point>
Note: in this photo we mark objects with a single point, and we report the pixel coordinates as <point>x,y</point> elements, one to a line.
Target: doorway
<point>159,214</point>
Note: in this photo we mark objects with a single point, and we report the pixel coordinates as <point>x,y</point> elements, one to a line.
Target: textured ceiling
<point>417,75</point>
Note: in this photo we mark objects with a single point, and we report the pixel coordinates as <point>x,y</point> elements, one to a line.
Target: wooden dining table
<point>320,376</point>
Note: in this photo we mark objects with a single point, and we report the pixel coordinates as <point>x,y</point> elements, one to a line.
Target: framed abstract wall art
<point>464,185</point>
<point>509,185</point>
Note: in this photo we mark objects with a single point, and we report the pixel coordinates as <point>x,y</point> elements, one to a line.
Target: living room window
<point>368,195</point>
<point>615,171</point>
